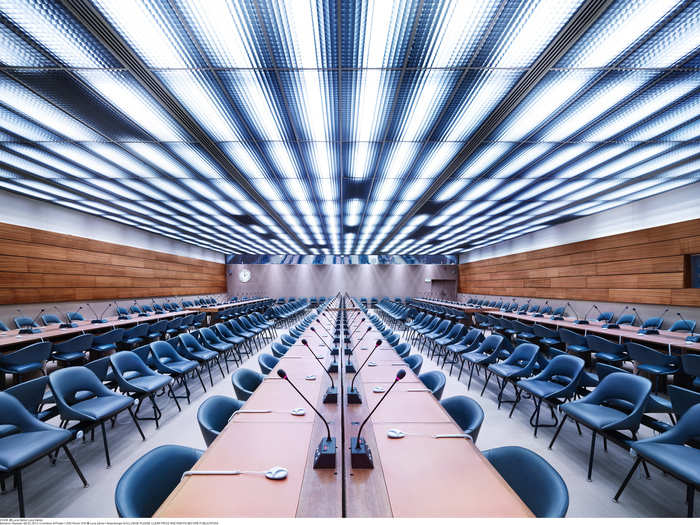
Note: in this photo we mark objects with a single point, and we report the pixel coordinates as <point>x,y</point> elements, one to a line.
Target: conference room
<point>349,259</point>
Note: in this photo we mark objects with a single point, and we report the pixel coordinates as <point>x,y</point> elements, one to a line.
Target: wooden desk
<point>260,441</point>
<point>218,307</point>
<point>416,476</point>
<point>625,332</point>
<point>12,338</point>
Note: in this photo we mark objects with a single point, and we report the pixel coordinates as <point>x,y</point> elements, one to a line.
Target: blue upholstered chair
<point>595,412</point>
<point>33,395</point>
<point>575,343</point>
<point>107,342</point>
<point>188,347</point>
<point>134,337</point>
<point>403,349</point>
<point>213,415</point>
<point>691,366</point>
<point>49,319</point>
<point>150,479</point>
<point>137,380</point>
<point>435,381</point>
<point>69,386</point>
<point>267,362</point>
<point>26,322</point>
<point>469,342</point>
<point>168,361</point>
<point>669,453</point>
<point>533,479</point>
<point>26,360</point>
<point>606,351</point>
<point>466,412</point>
<point>278,349</point>
<point>521,363</point>
<point>654,363</point>
<point>225,346</point>
<point>245,381</point>
<point>73,350</point>
<point>489,351</point>
<point>556,383</point>
<point>414,362</point>
<point>24,439</point>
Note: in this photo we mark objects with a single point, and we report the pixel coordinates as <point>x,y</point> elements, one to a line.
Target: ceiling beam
<point>90,18</point>
<point>577,25</point>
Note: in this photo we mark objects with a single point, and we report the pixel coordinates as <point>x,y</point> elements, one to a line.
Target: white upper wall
<point>682,204</point>
<point>23,211</point>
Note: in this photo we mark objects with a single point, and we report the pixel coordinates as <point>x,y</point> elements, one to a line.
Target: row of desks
<point>13,338</point>
<point>625,332</point>
<point>414,476</point>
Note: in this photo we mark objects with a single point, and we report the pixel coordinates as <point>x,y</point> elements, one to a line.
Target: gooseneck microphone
<point>578,320</point>
<point>654,330</point>
<point>120,315</point>
<point>616,325</point>
<point>541,312</point>
<point>369,329</point>
<point>324,457</point>
<point>141,311</point>
<point>358,326</point>
<point>31,327</point>
<point>636,316</point>
<point>353,395</point>
<point>67,323</point>
<point>585,316</point>
<point>360,454</point>
<point>690,327</point>
<point>97,317</point>
<point>332,392</point>
<point>324,328</point>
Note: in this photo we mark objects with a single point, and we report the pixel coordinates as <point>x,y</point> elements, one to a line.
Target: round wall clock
<point>244,275</point>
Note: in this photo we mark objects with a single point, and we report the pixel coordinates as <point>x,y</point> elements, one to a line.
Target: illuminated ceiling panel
<point>308,126</point>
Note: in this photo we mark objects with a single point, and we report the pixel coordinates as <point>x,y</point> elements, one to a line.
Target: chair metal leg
<point>691,500</point>
<point>486,382</point>
<point>627,479</point>
<point>556,434</point>
<point>136,422</point>
<point>172,394</point>
<point>517,400</point>
<point>590,457</point>
<point>75,465</point>
<point>211,380</point>
<point>104,441</point>
<point>20,493</point>
<point>200,378</point>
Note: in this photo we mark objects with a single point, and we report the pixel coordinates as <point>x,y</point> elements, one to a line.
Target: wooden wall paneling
<point>646,266</point>
<point>38,266</point>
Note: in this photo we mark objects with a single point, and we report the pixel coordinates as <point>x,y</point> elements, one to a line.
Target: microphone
<point>324,457</point>
<point>577,320</point>
<point>653,331</point>
<point>332,392</point>
<point>369,329</point>
<point>31,329</point>
<point>544,307</point>
<point>141,312</point>
<point>691,338</point>
<point>615,325</point>
<point>353,395</point>
<point>360,454</point>
<point>324,328</point>
<point>358,326</point>
<point>585,316</point>
<point>120,316</point>
<point>68,323</point>
<point>98,318</point>
<point>636,316</point>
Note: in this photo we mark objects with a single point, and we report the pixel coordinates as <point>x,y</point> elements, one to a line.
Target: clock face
<point>244,276</point>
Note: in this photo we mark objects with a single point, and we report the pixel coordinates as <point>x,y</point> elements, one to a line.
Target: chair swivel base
<point>360,454</point>
<point>333,367</point>
<point>354,396</point>
<point>331,396</point>
<point>324,457</point>
<point>349,367</point>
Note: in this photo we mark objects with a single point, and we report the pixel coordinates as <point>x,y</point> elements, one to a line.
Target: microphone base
<point>333,367</point>
<point>347,341</point>
<point>123,317</point>
<point>324,457</point>
<point>348,350</point>
<point>360,454</point>
<point>693,339</point>
<point>557,318</point>
<point>24,331</point>
<point>335,350</point>
<point>354,396</point>
<point>580,321</point>
<point>648,331</point>
<point>537,315</point>
<point>98,321</point>
<point>143,315</point>
<point>349,367</point>
<point>331,397</point>
<point>611,325</point>
<point>67,325</point>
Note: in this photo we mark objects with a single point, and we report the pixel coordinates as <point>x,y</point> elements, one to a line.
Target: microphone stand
<point>333,367</point>
<point>31,329</point>
<point>324,457</point>
<point>67,323</point>
<point>653,331</point>
<point>615,325</point>
<point>578,320</point>
<point>360,453</point>
<point>691,338</point>
<point>331,396</point>
<point>354,397</point>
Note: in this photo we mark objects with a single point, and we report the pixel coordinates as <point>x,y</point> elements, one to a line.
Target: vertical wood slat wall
<point>38,266</point>
<point>647,266</point>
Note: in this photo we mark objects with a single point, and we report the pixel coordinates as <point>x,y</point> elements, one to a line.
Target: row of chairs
<point>537,483</point>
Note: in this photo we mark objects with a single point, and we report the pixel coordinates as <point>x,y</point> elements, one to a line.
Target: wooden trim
<point>649,266</point>
<point>37,266</point>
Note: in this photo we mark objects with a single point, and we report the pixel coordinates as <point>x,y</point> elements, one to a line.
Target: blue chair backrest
<point>22,322</point>
<point>653,322</point>
<point>626,319</point>
<point>48,319</point>
<point>683,325</point>
<point>605,317</point>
